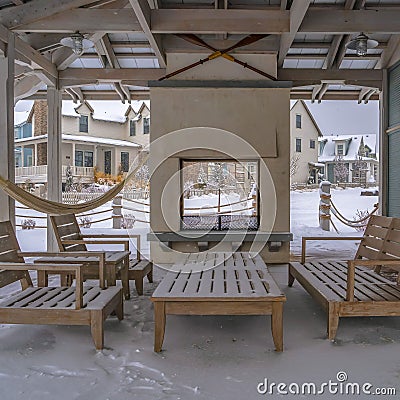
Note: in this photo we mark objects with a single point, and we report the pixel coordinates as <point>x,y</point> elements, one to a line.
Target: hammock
<point>54,208</point>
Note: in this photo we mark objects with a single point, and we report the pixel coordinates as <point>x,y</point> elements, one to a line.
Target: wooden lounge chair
<point>70,238</point>
<point>354,288</point>
<point>71,305</point>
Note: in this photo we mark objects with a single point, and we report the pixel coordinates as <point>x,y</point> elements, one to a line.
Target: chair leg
<point>97,328</point>
<point>125,279</point>
<point>119,310</point>
<point>291,279</point>
<point>139,286</point>
<point>150,275</point>
<point>333,321</point>
<point>159,329</point>
<point>277,325</point>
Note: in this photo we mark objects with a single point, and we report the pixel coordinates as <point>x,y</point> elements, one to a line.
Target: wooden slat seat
<point>68,305</point>
<point>138,269</point>
<point>355,288</point>
<point>218,284</point>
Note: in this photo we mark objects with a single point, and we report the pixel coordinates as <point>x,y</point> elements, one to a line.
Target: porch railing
<point>40,171</point>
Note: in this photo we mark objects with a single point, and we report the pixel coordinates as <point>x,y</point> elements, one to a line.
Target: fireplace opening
<point>219,195</point>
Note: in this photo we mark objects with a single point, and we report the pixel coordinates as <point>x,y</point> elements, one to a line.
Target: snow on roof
<point>68,109</point>
<point>20,117</point>
<point>85,139</point>
<point>353,142</point>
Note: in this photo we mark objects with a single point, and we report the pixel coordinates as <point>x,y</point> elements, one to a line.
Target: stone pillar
<point>54,178</point>
<point>325,205</point>
<point>7,159</point>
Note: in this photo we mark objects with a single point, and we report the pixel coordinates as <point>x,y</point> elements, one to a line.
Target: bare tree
<point>294,164</point>
<point>340,170</point>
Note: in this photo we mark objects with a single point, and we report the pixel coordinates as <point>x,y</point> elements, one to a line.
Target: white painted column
<point>23,156</point>
<point>7,160</point>
<point>95,155</point>
<point>35,161</point>
<point>54,168</point>
<point>73,155</point>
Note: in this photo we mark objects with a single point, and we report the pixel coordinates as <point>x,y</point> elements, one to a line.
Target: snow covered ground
<point>204,358</point>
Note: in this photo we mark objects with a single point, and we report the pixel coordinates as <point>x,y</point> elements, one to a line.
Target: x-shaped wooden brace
<point>220,53</point>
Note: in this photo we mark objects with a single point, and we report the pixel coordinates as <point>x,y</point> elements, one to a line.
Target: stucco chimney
<point>40,117</point>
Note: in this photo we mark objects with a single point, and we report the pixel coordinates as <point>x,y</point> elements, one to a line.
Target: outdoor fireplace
<point>200,128</point>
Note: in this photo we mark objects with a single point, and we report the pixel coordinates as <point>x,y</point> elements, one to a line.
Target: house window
<point>132,128</point>
<point>146,125</point>
<point>83,158</point>
<point>312,144</point>
<point>298,145</point>
<point>84,123</point>
<point>124,161</point>
<point>340,150</point>
<point>88,158</point>
<point>78,158</point>
<point>298,121</point>
<point>28,156</point>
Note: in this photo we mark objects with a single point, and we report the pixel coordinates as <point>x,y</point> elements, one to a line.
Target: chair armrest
<point>77,241</point>
<point>116,236</point>
<point>75,268</point>
<point>100,254</point>
<point>351,268</point>
<point>304,240</point>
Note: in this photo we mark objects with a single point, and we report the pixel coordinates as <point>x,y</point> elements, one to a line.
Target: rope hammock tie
<point>54,208</point>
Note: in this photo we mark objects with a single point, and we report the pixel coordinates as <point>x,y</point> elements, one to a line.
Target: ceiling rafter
<point>35,10</point>
<point>388,56</point>
<point>143,14</point>
<point>298,10</point>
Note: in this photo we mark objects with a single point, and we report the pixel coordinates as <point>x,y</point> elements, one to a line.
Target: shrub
<point>361,214</point>
<point>128,220</point>
<point>28,224</point>
<point>85,221</point>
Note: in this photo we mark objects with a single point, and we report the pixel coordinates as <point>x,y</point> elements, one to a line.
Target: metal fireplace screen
<point>219,195</point>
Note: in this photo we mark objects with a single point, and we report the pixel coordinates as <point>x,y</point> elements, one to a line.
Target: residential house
<point>107,136</point>
<point>304,134</point>
<point>350,158</point>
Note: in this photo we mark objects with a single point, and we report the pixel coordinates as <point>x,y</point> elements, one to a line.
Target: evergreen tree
<point>69,179</point>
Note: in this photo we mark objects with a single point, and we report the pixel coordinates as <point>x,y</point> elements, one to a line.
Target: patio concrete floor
<point>203,357</point>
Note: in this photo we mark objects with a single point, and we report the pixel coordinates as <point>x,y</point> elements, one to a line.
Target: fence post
<point>117,212</point>
<point>325,205</point>
<point>254,204</point>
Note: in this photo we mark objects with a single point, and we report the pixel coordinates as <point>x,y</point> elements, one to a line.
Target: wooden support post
<point>325,205</point>
<point>7,161</point>
<point>54,167</point>
<point>117,212</point>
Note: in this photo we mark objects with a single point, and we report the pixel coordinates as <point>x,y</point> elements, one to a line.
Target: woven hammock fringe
<point>54,208</point>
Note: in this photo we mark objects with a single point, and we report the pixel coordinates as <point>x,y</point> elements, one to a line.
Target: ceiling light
<point>361,44</point>
<point>77,43</point>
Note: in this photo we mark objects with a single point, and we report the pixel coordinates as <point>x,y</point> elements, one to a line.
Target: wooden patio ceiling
<point>132,38</point>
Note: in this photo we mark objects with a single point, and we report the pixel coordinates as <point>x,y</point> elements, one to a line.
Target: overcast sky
<point>345,117</point>
<point>342,117</point>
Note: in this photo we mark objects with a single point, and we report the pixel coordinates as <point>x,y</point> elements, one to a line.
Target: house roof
<point>83,139</point>
<point>309,114</point>
<point>354,141</point>
<point>108,111</point>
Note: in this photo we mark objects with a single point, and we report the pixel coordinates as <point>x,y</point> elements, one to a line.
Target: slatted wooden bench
<point>78,305</point>
<point>138,269</point>
<point>219,284</point>
<point>351,288</point>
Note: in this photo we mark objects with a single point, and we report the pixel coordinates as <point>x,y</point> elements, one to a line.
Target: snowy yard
<point>205,358</point>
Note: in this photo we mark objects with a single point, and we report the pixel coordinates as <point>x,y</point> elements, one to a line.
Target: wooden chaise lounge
<point>355,288</point>
<point>71,305</point>
<point>70,238</point>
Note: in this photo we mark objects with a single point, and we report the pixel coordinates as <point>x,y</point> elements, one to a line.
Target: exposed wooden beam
<point>297,13</point>
<point>34,10</point>
<point>29,53</point>
<point>109,51</point>
<point>389,53</point>
<point>86,20</point>
<point>322,91</point>
<point>283,4</point>
<point>64,57</point>
<point>310,77</point>
<point>313,56</point>
<point>111,75</point>
<point>72,94</point>
<point>97,95</point>
<point>330,95</point>
<point>219,21</point>
<point>27,87</point>
<point>143,15</point>
<point>351,21</point>
<point>18,2</point>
